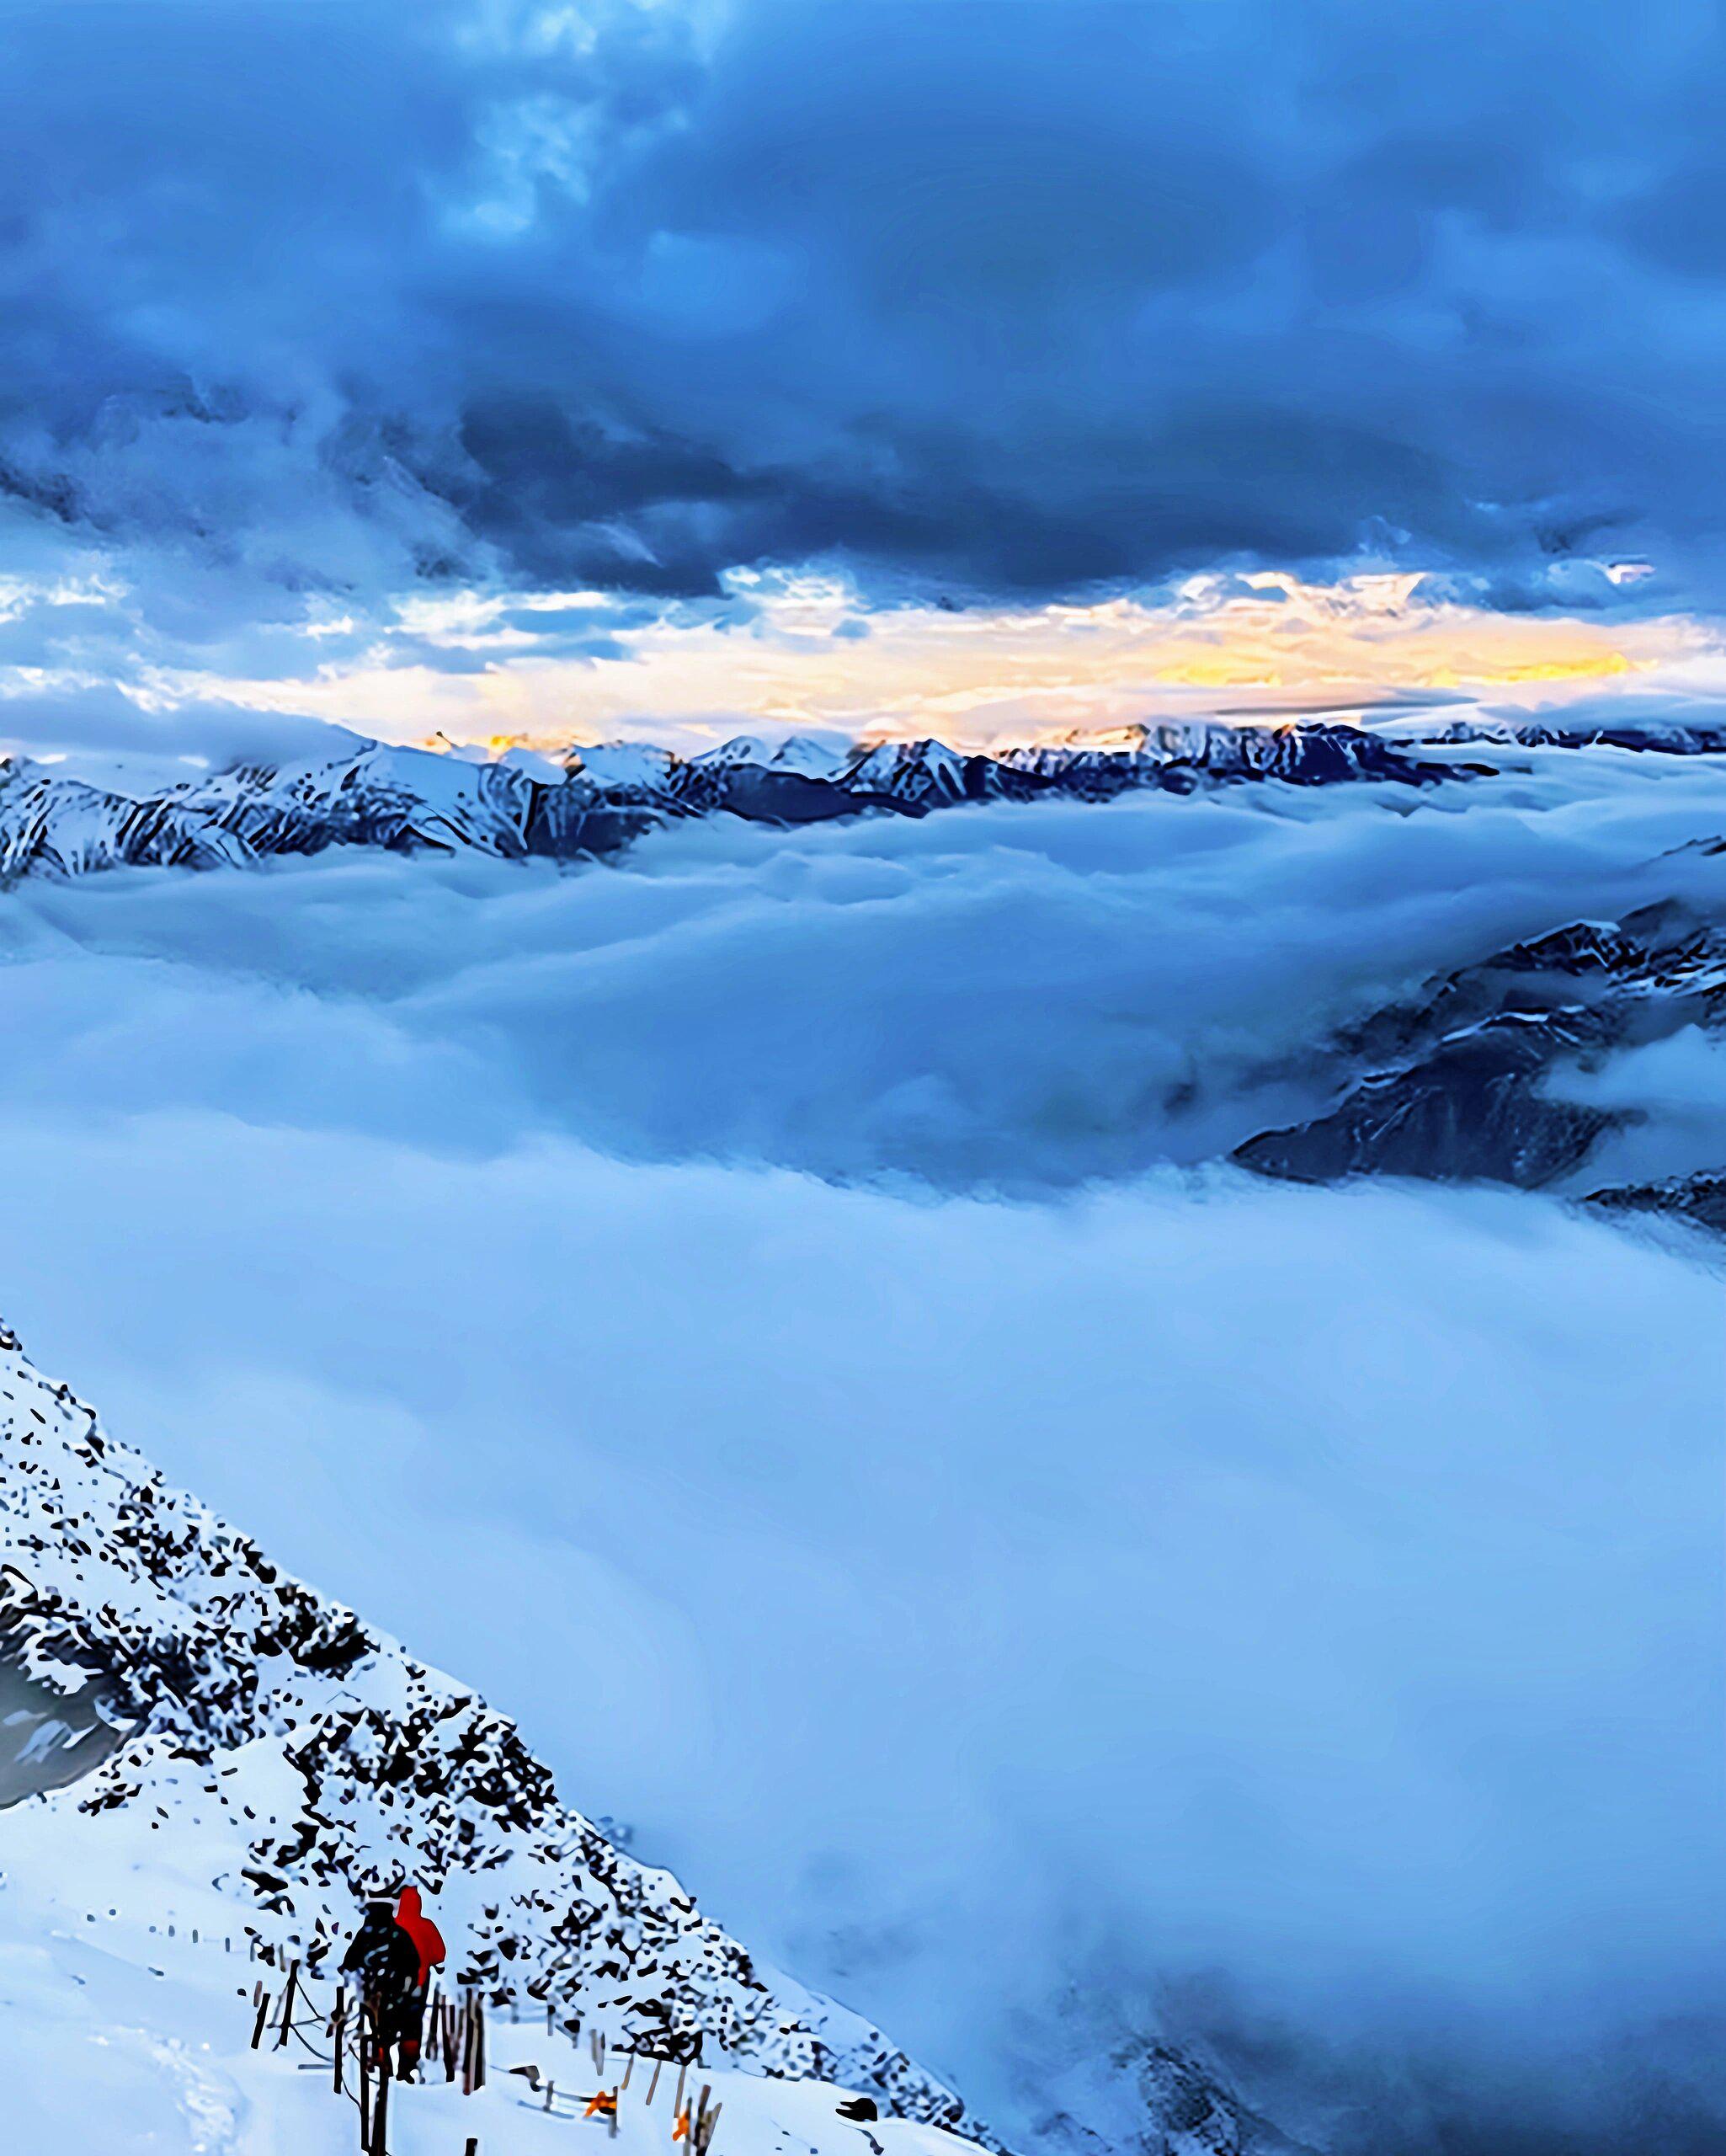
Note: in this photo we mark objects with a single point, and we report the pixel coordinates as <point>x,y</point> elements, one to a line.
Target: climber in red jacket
<point>429,1944</point>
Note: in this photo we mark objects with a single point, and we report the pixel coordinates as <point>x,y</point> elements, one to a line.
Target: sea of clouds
<point>771,1312</point>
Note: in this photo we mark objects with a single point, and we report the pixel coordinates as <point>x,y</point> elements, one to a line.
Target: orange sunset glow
<point>796,652</point>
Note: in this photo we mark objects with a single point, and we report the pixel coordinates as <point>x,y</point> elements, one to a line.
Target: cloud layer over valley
<point>762,1312</point>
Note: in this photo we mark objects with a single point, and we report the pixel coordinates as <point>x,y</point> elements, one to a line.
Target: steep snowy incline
<point>291,1761</point>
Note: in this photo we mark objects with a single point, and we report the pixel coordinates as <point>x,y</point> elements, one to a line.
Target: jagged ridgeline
<point>594,801</point>
<point>306,1761</point>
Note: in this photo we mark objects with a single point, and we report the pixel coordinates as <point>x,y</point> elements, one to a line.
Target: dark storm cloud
<point>994,297</point>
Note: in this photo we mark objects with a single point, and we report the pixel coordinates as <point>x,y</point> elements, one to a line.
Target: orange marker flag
<point>680,2132</point>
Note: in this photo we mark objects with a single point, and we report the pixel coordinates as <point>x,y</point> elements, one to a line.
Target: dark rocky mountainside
<point>1466,1081</point>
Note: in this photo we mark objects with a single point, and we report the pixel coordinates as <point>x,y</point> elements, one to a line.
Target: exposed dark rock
<point>1456,1085</point>
<point>1470,1112</point>
<point>49,1736</point>
<point>1700,1199</point>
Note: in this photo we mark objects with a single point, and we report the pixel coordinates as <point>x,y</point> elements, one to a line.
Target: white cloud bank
<point>972,1596</point>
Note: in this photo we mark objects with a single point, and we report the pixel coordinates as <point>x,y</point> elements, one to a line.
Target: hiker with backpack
<point>385,1962</point>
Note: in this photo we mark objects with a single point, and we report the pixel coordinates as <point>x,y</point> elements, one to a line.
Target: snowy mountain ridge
<point>403,798</point>
<point>1687,736</point>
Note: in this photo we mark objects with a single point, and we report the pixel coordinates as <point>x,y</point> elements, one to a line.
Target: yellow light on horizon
<point>970,678</point>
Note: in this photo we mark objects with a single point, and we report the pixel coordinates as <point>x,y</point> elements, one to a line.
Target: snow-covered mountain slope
<point>216,1751</point>
<point>1181,755</point>
<point>599,799</point>
<point>291,1760</point>
<point>1651,733</point>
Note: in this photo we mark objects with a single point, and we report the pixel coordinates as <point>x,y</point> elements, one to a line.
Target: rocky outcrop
<point>1700,1200</point>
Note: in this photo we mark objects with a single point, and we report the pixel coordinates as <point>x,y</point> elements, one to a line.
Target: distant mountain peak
<point>595,799</point>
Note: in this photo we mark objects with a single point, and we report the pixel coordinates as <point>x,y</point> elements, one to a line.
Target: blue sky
<point>631,324</point>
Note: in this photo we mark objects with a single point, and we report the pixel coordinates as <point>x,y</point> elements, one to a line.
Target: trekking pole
<point>287,2007</point>
<point>381,2110</point>
<point>364,2087</point>
<point>338,2036</point>
<point>258,2026</point>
